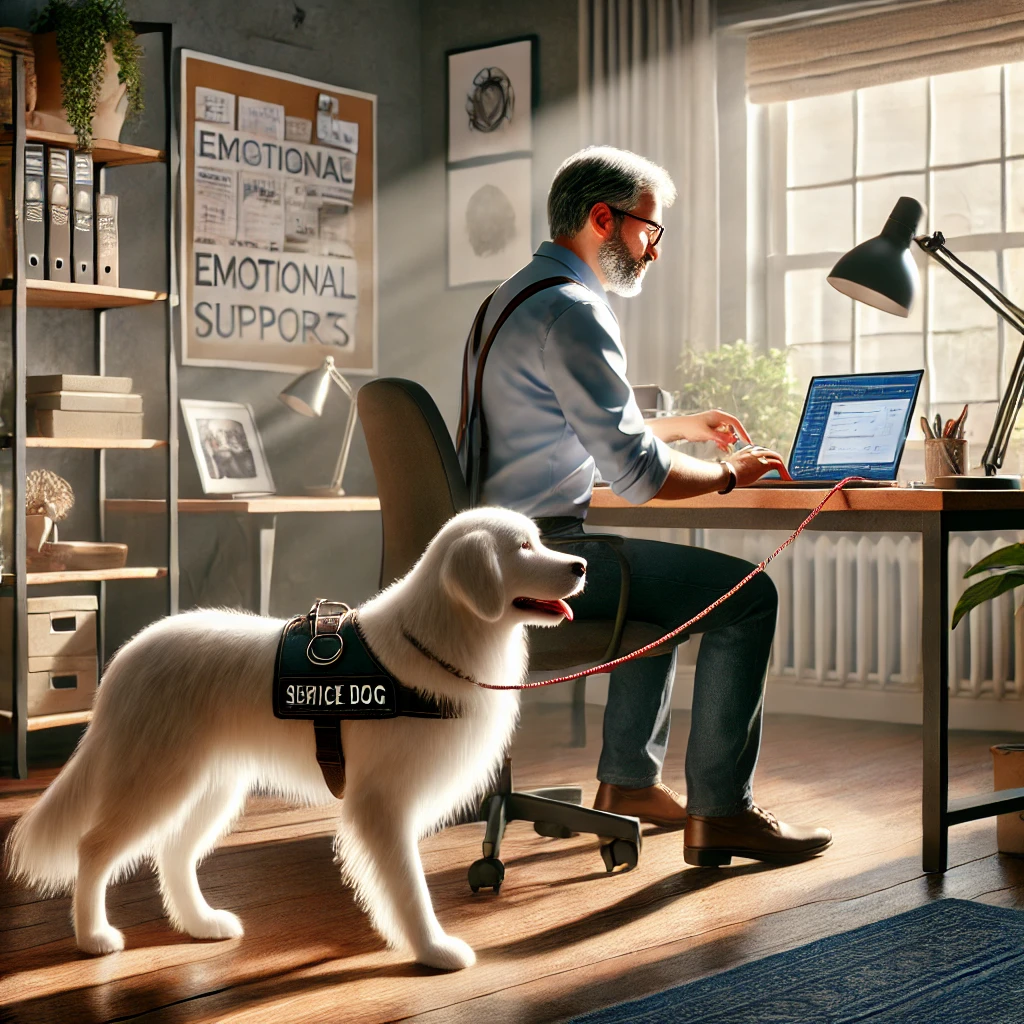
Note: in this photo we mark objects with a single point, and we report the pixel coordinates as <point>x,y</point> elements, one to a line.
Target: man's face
<point>625,256</point>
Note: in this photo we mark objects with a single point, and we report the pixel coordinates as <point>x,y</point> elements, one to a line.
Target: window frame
<point>777,261</point>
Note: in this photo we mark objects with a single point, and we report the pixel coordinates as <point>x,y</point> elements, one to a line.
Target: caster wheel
<point>486,873</point>
<point>553,831</point>
<point>620,855</point>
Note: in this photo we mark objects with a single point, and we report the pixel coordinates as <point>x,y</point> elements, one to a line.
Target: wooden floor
<point>561,938</point>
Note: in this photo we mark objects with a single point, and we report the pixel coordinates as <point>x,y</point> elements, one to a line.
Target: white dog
<point>183,729</point>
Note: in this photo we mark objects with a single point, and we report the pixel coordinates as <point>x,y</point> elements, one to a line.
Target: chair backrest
<point>419,480</point>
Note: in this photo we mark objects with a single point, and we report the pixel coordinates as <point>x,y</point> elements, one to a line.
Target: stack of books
<point>77,405</point>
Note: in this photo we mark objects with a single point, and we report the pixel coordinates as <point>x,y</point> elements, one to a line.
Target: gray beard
<point>623,273</point>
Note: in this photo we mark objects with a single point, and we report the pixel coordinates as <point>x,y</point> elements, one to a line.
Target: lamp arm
<point>350,429</point>
<point>1013,396</point>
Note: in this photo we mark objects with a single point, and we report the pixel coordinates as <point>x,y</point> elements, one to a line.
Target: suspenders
<point>472,424</point>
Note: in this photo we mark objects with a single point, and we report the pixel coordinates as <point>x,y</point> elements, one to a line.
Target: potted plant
<point>757,387</point>
<point>88,69</point>
<point>1010,559</point>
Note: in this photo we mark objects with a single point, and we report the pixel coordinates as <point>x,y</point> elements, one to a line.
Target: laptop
<point>852,424</point>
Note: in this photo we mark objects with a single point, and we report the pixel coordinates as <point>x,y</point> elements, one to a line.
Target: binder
<point>106,240</point>
<point>58,242</point>
<point>35,211</point>
<point>82,219</point>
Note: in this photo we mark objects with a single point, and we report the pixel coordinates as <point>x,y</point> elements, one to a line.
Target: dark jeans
<point>670,584</point>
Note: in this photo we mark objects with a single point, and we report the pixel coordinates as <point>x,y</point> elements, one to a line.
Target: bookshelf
<point>18,295</point>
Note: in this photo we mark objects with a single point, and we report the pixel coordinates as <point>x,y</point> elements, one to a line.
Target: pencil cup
<point>944,456</point>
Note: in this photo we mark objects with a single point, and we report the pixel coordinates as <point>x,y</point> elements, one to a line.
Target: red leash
<point>609,665</point>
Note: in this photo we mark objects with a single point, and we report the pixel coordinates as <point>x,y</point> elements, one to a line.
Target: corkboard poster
<point>278,220</point>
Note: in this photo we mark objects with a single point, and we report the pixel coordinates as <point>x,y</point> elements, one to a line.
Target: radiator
<point>849,613</point>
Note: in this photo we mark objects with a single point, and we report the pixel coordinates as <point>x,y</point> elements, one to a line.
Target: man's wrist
<point>731,478</point>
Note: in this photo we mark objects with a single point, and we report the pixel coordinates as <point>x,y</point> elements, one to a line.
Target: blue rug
<point>950,961</point>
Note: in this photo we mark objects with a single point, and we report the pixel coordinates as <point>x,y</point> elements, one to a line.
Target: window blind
<point>878,47</point>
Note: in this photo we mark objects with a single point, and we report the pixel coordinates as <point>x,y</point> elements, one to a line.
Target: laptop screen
<point>854,424</point>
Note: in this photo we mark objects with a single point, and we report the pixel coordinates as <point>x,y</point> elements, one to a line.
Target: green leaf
<point>984,591</point>
<point>1004,558</point>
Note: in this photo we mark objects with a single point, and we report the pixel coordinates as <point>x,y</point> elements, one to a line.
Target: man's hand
<point>752,463</point>
<point>721,428</point>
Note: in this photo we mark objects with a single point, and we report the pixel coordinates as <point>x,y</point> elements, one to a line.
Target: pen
<point>925,428</point>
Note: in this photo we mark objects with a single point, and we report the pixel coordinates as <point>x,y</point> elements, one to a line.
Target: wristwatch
<point>732,478</point>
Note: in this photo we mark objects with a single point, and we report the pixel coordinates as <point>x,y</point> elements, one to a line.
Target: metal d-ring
<point>326,626</point>
<point>318,659</point>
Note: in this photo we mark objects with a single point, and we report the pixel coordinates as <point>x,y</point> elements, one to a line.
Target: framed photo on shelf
<point>227,447</point>
<point>491,93</point>
<point>489,227</point>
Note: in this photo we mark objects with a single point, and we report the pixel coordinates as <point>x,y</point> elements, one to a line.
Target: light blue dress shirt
<point>556,398</point>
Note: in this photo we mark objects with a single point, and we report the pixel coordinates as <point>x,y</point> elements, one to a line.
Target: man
<point>557,404</point>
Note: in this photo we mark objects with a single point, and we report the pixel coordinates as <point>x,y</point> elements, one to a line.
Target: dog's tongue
<point>557,606</point>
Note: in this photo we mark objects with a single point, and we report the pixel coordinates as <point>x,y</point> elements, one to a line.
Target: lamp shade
<point>308,392</point>
<point>881,272</point>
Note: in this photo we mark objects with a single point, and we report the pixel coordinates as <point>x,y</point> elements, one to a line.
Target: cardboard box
<point>61,626</point>
<point>57,685</point>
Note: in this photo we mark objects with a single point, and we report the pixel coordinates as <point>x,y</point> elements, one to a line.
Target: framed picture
<point>490,100</point>
<point>227,447</point>
<point>488,221</point>
<point>278,220</point>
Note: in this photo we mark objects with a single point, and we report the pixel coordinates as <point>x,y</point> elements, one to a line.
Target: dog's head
<point>492,561</point>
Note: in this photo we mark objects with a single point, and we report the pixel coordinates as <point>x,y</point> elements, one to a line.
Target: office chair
<point>421,486</point>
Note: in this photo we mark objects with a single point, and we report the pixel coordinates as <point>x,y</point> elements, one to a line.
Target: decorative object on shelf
<point>227,447</point>
<point>78,556</point>
<point>88,69</point>
<point>489,226</point>
<point>48,500</point>
<point>278,235</point>
<point>491,94</point>
<point>48,494</point>
<point>757,387</point>
<point>307,395</point>
<point>882,273</point>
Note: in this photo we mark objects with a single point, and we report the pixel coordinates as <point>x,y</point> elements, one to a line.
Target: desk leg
<point>264,531</point>
<point>935,665</point>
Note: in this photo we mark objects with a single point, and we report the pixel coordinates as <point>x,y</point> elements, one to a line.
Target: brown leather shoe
<point>756,834</point>
<point>655,805</point>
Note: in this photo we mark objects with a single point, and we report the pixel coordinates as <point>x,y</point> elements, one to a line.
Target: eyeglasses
<point>659,229</point>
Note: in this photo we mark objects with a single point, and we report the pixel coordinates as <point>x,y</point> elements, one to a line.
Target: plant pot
<point>1008,773</point>
<point>49,115</point>
<point>37,530</point>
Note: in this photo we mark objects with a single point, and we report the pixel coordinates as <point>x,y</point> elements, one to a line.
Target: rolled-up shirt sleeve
<point>585,365</point>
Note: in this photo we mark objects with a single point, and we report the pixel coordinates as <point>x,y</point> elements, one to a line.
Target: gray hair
<point>602,174</point>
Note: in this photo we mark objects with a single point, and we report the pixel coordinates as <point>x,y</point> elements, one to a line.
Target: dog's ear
<point>470,573</point>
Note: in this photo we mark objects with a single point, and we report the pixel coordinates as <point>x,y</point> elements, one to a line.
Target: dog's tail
<point>42,848</point>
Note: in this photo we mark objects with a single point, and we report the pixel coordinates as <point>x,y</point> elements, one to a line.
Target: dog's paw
<point>217,924</point>
<point>103,940</point>
<point>447,954</point>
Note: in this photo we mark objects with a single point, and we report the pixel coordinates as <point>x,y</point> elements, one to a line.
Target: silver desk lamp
<point>307,395</point>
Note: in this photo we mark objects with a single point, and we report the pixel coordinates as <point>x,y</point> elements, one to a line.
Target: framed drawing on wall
<point>278,242</point>
<point>488,221</point>
<point>491,94</point>
<point>227,447</point>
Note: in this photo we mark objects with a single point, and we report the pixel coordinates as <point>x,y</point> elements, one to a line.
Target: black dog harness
<point>326,672</point>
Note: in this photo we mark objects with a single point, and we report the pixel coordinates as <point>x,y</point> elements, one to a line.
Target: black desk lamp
<point>307,395</point>
<point>882,273</point>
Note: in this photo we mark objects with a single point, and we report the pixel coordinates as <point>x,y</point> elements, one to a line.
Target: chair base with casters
<point>554,812</point>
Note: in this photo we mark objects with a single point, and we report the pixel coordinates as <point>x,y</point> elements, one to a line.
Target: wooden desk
<point>931,513</point>
<point>266,509</point>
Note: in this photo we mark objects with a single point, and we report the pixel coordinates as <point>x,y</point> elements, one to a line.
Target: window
<point>838,164</point>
